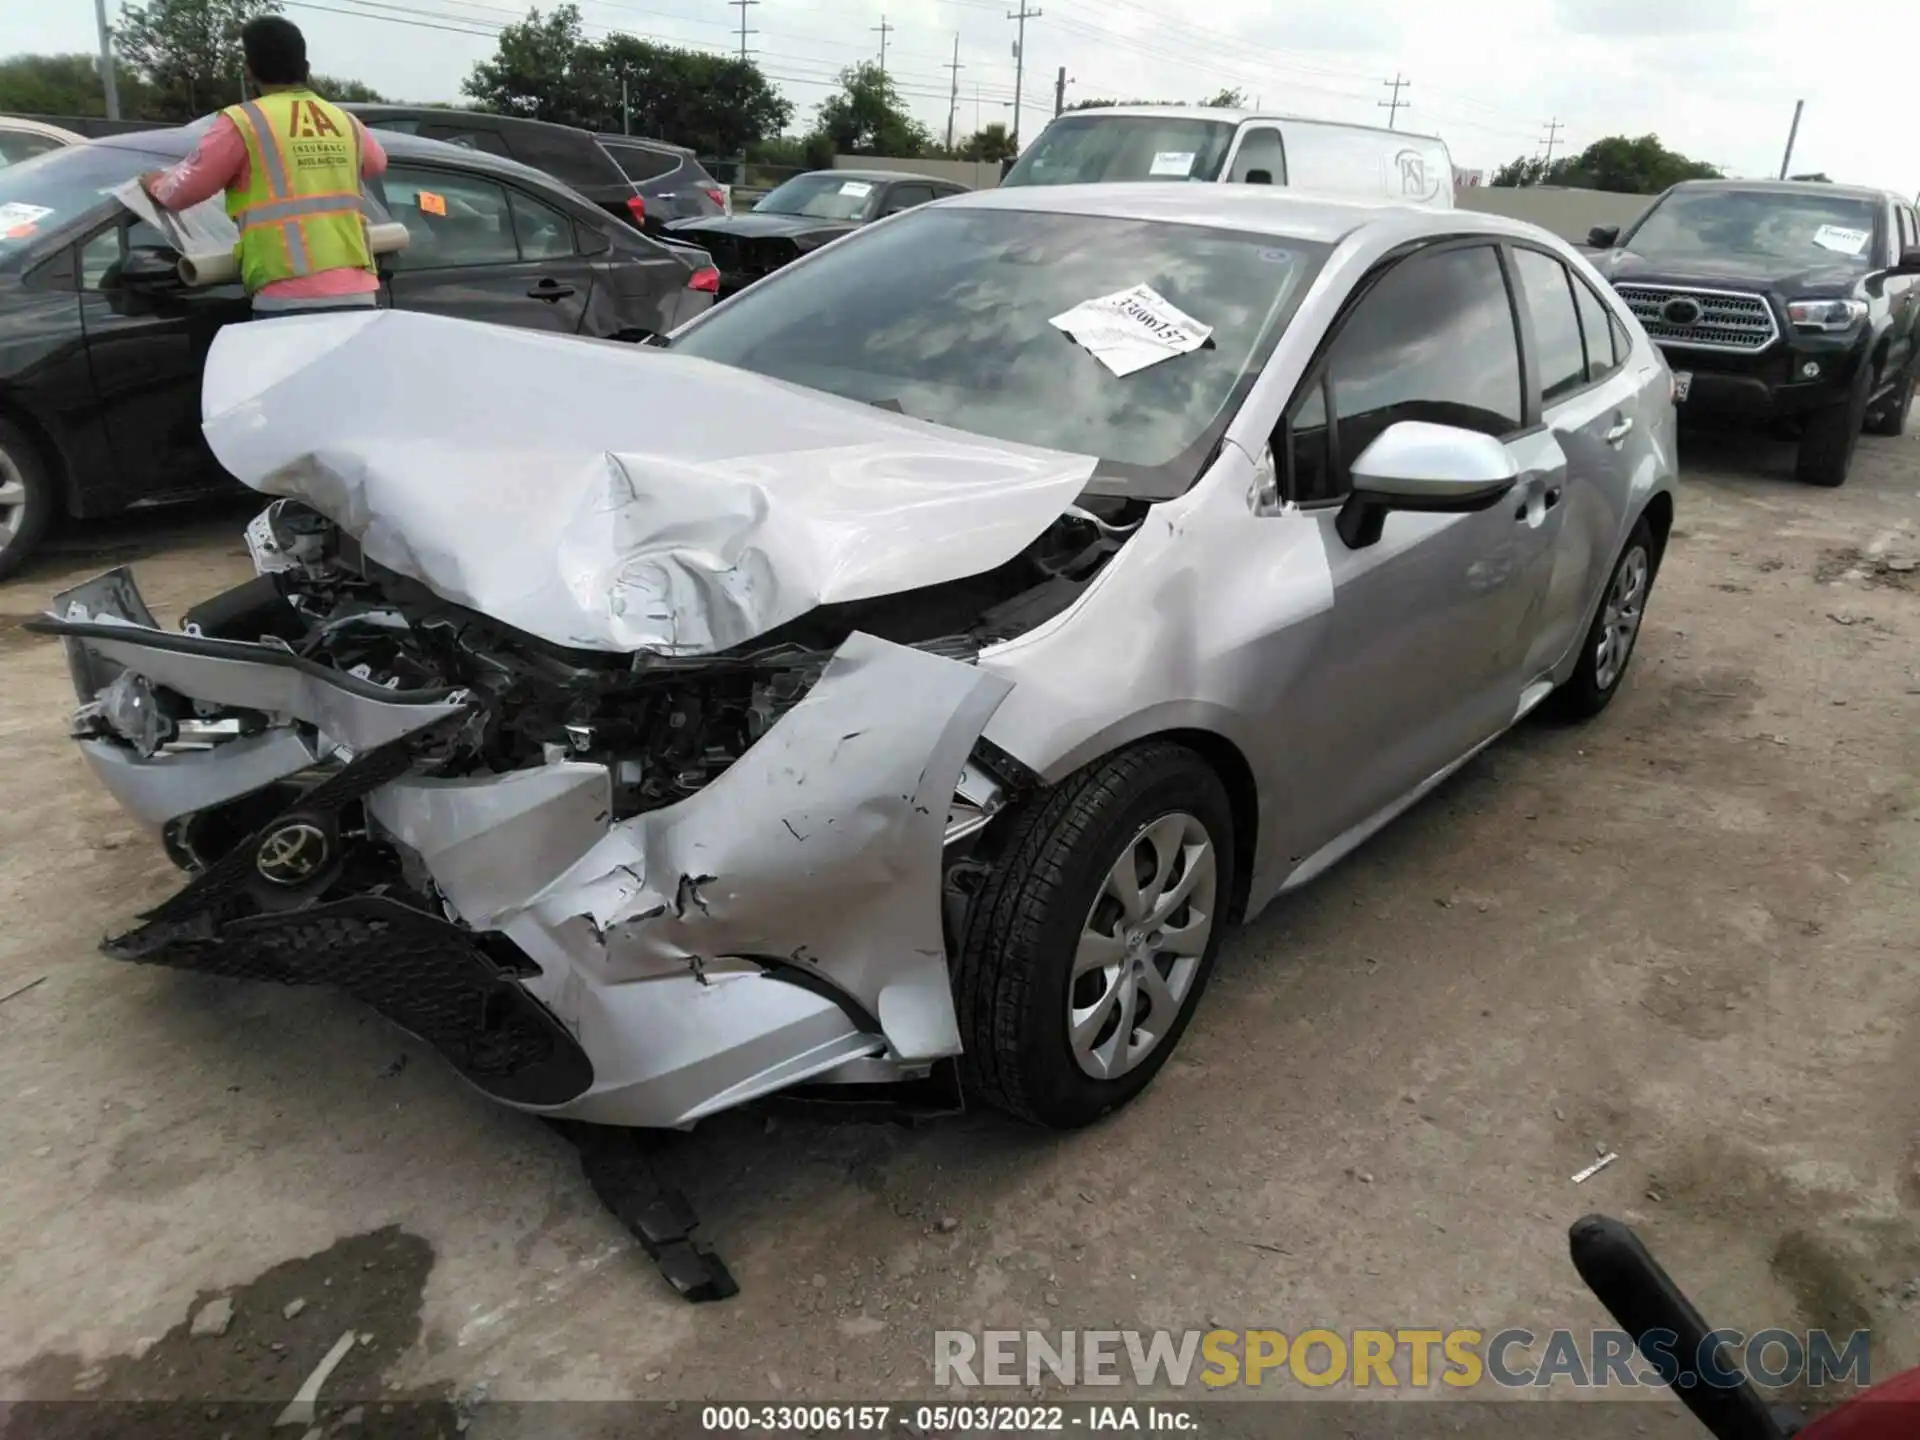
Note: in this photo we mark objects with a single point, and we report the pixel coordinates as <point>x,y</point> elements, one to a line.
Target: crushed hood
<point>608,497</point>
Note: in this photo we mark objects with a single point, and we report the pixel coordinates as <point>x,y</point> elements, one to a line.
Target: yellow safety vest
<point>301,212</point>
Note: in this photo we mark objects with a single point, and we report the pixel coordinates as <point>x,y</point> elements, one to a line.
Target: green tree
<point>714,104</point>
<point>544,69</point>
<point>1819,177</point>
<point>62,85</point>
<point>1621,164</point>
<point>331,87</point>
<point>1231,99</point>
<point>868,118</point>
<point>187,52</point>
<point>991,142</point>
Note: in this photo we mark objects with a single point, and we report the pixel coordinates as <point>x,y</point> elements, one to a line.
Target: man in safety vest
<point>291,166</point>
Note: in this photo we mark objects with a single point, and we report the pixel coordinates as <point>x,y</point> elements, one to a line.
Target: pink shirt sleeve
<point>217,162</point>
<point>373,158</point>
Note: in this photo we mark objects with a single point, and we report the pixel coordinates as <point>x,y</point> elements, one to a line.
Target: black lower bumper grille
<point>429,977</point>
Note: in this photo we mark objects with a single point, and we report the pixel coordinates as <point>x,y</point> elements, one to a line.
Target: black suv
<point>1779,303</point>
<point>644,182</point>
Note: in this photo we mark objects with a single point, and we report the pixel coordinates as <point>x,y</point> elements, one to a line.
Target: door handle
<point>549,290</point>
<point>1553,496</point>
<point>1620,432</point>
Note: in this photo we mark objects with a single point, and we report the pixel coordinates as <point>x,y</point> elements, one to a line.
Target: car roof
<point>177,143</point>
<point>478,119</point>
<point>20,125</point>
<point>1232,116</point>
<point>1794,187</point>
<point>1252,209</point>
<point>642,142</point>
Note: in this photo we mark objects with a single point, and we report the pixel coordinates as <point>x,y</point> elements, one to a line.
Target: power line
<point>742,5</point>
<point>1394,106</point>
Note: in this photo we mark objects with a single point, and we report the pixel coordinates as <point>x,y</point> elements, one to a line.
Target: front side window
<point>451,220</point>
<point>905,197</point>
<point>1802,230</point>
<point>945,315</point>
<point>55,189</point>
<point>1091,149</point>
<point>823,195</point>
<point>1260,153</point>
<point>108,248</point>
<point>1433,340</point>
<point>1548,292</point>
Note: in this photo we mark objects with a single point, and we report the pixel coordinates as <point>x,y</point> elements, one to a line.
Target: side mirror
<point>1415,465</point>
<point>1259,177</point>
<point>1908,263</point>
<point>1602,237</point>
<point>144,269</point>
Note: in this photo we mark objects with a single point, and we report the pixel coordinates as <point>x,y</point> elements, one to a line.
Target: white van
<point>1193,142</point>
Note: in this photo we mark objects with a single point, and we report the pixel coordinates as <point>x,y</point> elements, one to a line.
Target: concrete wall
<point>974,174</point>
<point>1567,213</point>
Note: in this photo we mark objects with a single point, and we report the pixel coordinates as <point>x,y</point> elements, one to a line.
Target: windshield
<point>1799,230</point>
<point>823,195</point>
<point>945,315</point>
<point>1084,149</point>
<point>41,195</point>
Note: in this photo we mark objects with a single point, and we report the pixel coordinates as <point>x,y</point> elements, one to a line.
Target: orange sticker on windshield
<point>433,204</point>
<point>18,232</point>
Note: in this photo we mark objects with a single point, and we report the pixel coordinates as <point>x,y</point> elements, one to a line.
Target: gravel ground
<point>1685,933</point>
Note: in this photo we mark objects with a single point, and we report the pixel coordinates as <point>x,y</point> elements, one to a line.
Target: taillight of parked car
<point>718,196</point>
<point>637,208</point>
<point>706,279</point>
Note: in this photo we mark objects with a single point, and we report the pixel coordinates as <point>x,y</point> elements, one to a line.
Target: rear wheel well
<point>1659,518</point>
<point>49,454</point>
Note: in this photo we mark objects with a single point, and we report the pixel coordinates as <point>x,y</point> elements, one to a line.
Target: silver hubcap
<point>13,499</point>
<point>1141,946</point>
<point>1620,620</point>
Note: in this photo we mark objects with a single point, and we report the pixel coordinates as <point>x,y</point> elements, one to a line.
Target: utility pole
<point>741,6</point>
<point>884,29</point>
<point>106,59</point>
<point>953,95</point>
<point>1551,139</point>
<point>626,110</point>
<point>1020,60</point>
<point>1792,135</point>
<point>1059,92</point>
<point>1394,106</point>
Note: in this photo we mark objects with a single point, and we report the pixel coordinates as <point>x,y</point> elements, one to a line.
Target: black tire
<point>24,526</point>
<point>1589,690</point>
<point>1891,418</point>
<point>1829,439</point>
<point>1013,979</point>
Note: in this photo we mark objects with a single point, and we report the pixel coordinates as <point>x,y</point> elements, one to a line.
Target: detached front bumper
<point>781,924</point>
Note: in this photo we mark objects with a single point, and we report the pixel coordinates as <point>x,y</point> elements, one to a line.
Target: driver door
<point>147,346</point>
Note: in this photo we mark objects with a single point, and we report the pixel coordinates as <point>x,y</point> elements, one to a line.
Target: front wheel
<point>1090,943</point>
<point>1608,648</point>
<point>27,498</point>
<point>1829,440</point>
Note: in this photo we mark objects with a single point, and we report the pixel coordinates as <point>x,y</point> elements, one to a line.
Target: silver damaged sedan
<point>912,666</point>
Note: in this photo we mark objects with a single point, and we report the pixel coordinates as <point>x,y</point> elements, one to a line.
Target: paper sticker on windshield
<point>432,204</point>
<point>1172,162</point>
<point>1132,329</point>
<point>856,188</point>
<point>18,221</point>
<point>1839,238</point>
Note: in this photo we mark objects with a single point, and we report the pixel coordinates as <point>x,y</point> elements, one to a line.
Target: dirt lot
<point>1686,933</point>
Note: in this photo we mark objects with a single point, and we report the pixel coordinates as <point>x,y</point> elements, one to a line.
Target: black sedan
<point>101,345</point>
<point>804,214</point>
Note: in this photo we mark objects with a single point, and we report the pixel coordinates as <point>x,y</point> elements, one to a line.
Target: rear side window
<point>640,163</point>
<point>540,231</point>
<point>1597,327</point>
<point>572,156</point>
<point>1548,291</point>
<point>1433,340</point>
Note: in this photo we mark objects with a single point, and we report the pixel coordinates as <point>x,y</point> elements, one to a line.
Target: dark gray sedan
<point>102,346</point>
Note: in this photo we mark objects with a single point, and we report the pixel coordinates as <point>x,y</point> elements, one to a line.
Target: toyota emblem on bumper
<point>1681,310</point>
<point>292,854</point>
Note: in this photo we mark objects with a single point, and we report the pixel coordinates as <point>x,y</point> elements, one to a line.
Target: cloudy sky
<point>1715,79</point>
